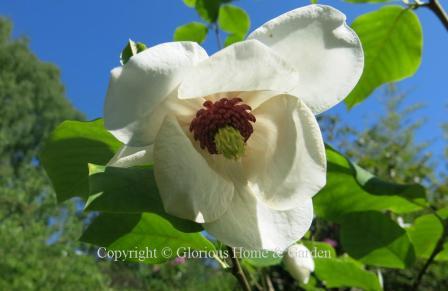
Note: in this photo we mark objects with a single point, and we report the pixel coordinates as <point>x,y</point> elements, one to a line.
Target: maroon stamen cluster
<point>224,112</point>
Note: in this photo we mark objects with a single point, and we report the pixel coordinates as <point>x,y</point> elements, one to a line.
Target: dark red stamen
<point>224,112</point>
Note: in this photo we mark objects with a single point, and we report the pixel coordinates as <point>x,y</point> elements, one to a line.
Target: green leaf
<point>425,233</point>
<point>190,3</point>
<point>233,38</point>
<point>350,189</point>
<point>123,190</point>
<point>233,20</point>
<point>374,239</point>
<point>129,190</point>
<point>320,250</point>
<point>336,271</point>
<point>392,41</point>
<point>131,49</point>
<point>193,31</point>
<point>345,272</point>
<point>269,259</point>
<point>312,285</point>
<point>208,10</point>
<point>443,213</point>
<point>443,255</point>
<point>69,149</point>
<point>148,233</point>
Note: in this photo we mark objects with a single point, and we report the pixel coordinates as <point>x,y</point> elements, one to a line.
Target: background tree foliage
<point>32,103</point>
<point>389,149</point>
<point>38,239</point>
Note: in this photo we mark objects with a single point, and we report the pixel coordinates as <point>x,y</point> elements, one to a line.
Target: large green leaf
<point>234,20</point>
<point>343,271</point>
<point>320,250</point>
<point>392,41</point>
<point>265,259</point>
<point>69,149</point>
<point>123,190</point>
<point>193,31</point>
<point>350,189</point>
<point>424,234</point>
<point>443,213</point>
<point>190,3</point>
<point>147,233</point>
<point>233,38</point>
<point>374,239</point>
<point>129,190</point>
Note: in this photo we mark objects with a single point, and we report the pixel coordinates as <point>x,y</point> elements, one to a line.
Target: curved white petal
<point>243,66</point>
<point>299,262</point>
<point>132,156</point>
<point>285,156</point>
<point>326,52</point>
<point>184,110</point>
<point>137,88</point>
<point>251,224</point>
<point>256,98</point>
<point>189,188</point>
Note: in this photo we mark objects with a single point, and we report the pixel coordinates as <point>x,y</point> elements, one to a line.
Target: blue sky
<point>84,39</point>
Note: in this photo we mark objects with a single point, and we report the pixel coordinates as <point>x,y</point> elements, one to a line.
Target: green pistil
<point>229,142</point>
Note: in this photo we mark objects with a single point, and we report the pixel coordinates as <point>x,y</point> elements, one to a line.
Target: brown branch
<point>438,10</point>
<point>218,37</point>
<point>269,282</point>
<point>237,271</point>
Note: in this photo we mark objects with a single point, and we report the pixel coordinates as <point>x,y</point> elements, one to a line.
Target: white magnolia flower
<point>299,262</point>
<point>233,137</point>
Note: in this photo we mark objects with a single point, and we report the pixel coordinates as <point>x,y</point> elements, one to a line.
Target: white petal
<point>285,156</point>
<point>326,52</point>
<point>256,98</point>
<point>244,66</point>
<point>137,88</point>
<point>299,262</point>
<point>184,110</point>
<point>250,224</point>
<point>189,188</point>
<point>132,156</point>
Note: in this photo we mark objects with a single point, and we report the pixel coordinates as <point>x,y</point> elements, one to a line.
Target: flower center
<point>223,127</point>
<point>229,142</point>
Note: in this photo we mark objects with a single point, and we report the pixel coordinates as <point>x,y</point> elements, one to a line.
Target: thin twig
<point>269,282</point>
<point>223,264</point>
<point>237,271</point>
<point>218,38</point>
<point>436,7</point>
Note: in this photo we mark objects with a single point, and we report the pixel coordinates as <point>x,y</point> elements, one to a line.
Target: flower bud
<point>299,262</point>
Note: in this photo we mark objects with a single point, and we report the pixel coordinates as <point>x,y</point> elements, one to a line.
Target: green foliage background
<point>38,239</point>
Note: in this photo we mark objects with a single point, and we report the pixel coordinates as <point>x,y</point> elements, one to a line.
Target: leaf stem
<point>237,271</point>
<point>223,264</point>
